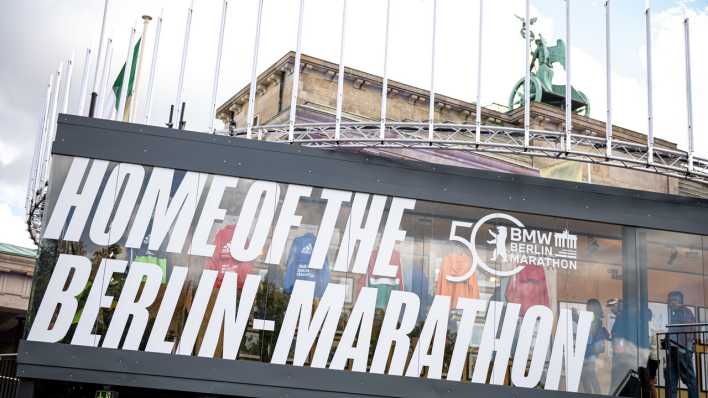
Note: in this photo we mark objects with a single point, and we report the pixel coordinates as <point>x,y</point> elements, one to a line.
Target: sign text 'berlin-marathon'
<point>174,211</point>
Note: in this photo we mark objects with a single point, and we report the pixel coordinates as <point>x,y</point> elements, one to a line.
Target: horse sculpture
<point>541,80</point>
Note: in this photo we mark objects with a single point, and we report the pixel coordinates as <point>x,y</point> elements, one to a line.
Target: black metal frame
<point>163,147</point>
<point>154,146</point>
<point>239,378</point>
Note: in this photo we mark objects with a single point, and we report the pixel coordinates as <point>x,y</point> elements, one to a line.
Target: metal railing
<point>8,375</point>
<point>682,353</point>
<point>492,139</point>
<point>461,137</point>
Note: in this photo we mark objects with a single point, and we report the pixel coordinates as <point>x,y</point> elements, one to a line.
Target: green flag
<point>118,84</point>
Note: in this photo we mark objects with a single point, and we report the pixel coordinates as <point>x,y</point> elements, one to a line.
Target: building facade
<point>16,270</point>
<point>191,264</point>
<point>317,99</point>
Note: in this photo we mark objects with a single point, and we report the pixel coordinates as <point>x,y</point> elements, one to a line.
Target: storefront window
<point>675,296</point>
<point>507,298</point>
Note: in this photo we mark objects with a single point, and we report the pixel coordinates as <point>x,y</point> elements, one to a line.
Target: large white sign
<point>543,348</point>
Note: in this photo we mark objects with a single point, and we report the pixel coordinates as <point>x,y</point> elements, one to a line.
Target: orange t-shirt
<point>457,265</point>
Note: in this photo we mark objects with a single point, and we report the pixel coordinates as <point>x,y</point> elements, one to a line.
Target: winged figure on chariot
<point>542,88</point>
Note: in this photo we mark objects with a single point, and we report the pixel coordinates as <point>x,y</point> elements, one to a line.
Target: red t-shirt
<point>222,260</point>
<point>528,288</point>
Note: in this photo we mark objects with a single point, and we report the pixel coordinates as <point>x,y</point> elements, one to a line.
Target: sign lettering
<point>168,216</point>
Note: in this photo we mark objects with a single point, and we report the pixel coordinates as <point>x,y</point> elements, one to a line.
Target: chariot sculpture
<point>542,88</point>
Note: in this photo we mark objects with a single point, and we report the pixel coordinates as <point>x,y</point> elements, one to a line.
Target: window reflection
<point>676,291</point>
<point>627,278</point>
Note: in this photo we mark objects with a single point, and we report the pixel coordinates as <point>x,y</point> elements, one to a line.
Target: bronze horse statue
<point>541,80</point>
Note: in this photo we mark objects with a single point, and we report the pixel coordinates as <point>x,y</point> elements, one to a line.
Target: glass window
<point>675,295</point>
<point>512,295</point>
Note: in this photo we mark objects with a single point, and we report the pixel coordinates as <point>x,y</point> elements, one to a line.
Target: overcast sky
<point>39,34</point>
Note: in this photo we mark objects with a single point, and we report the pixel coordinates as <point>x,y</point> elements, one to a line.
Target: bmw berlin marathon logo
<point>512,246</point>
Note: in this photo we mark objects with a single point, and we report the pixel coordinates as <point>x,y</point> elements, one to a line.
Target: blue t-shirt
<point>298,262</point>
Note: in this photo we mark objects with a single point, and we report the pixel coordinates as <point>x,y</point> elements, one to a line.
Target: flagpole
<point>84,82</point>
<point>183,65</point>
<point>39,144</point>
<point>478,108</point>
<point>55,101</point>
<point>527,78</point>
<point>296,74</point>
<point>608,65</point>
<point>127,70</point>
<point>31,181</point>
<point>689,92</point>
<point>217,68</point>
<point>52,123</point>
<point>153,69</point>
<point>431,105</point>
<point>67,89</point>
<point>133,100</point>
<point>108,88</point>
<point>96,79</point>
<point>384,86</point>
<point>103,89</point>
<point>45,133</point>
<point>650,89</point>
<point>46,124</point>
<point>568,85</point>
<point>254,69</point>
<point>340,76</point>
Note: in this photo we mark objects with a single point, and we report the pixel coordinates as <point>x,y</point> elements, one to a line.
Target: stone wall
<point>362,102</point>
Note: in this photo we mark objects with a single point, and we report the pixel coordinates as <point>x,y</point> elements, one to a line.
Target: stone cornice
<point>17,264</point>
<point>415,95</point>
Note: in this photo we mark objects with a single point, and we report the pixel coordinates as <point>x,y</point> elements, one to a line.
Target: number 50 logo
<point>498,239</point>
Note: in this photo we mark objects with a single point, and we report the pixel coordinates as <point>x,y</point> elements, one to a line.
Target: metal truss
<point>492,139</point>
<point>34,216</point>
<point>462,137</point>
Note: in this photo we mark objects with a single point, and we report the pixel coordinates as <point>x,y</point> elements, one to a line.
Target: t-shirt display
<point>145,255</point>
<point>528,288</point>
<point>383,284</point>
<point>457,265</point>
<point>160,262</point>
<point>298,265</point>
<point>222,260</point>
<point>416,281</point>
